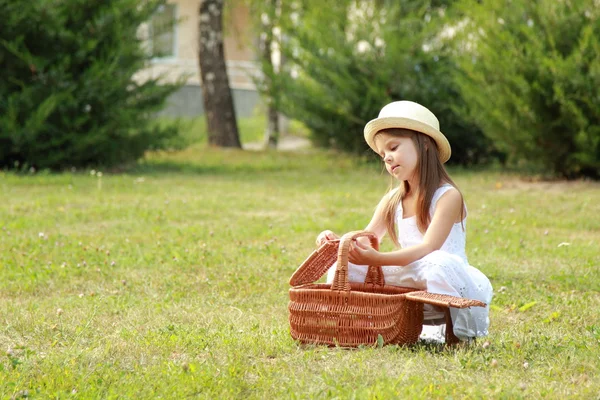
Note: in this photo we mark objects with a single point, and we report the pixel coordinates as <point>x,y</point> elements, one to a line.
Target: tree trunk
<point>272,131</point>
<point>216,93</point>
<point>266,42</point>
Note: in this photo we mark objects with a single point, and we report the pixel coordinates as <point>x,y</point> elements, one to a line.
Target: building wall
<point>239,44</point>
<point>187,102</point>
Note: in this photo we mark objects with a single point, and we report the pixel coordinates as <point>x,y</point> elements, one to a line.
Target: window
<point>162,32</point>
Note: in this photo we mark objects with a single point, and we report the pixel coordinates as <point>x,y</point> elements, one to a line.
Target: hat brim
<point>379,124</point>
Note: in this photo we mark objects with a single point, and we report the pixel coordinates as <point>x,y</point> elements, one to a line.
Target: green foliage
<point>346,60</point>
<point>67,93</point>
<point>530,79</point>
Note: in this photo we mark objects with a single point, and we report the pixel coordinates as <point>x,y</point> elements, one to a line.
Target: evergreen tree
<point>530,78</point>
<point>68,96</point>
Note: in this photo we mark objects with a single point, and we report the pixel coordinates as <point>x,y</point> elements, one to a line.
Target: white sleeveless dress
<point>444,271</point>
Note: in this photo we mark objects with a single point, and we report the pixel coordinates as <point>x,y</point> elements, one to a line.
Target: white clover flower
<point>363,46</point>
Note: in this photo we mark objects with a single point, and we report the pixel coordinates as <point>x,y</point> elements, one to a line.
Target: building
<point>176,47</point>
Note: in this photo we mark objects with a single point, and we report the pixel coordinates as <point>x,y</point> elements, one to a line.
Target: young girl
<point>425,215</point>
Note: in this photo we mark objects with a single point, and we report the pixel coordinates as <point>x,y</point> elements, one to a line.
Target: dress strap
<point>436,196</point>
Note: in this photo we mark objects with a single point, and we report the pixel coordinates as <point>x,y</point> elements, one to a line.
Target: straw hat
<point>408,115</point>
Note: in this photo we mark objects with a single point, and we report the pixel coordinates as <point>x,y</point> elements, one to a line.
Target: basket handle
<point>374,274</point>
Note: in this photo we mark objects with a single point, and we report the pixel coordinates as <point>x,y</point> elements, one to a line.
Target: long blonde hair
<point>432,175</point>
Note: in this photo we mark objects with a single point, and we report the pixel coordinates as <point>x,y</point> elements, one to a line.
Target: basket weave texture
<point>349,314</point>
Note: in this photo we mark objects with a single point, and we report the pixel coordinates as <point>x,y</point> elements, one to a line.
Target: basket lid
<point>317,264</point>
<point>443,300</point>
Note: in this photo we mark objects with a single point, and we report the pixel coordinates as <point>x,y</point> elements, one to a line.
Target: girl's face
<point>399,154</point>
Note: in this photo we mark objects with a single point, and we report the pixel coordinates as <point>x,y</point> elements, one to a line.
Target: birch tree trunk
<point>266,43</point>
<point>216,93</point>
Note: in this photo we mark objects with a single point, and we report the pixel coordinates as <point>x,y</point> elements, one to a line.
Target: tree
<point>530,75</point>
<point>346,59</point>
<point>68,97</point>
<point>266,16</point>
<point>268,22</point>
<point>216,92</point>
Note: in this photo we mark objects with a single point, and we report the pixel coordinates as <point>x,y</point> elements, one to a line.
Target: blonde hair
<point>431,174</point>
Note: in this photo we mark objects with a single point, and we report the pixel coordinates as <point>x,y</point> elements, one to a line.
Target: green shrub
<point>67,93</point>
<point>344,64</point>
<point>530,79</point>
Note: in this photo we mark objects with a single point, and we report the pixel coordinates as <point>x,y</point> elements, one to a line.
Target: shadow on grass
<point>204,160</point>
<point>187,168</point>
<point>207,160</point>
<point>429,346</point>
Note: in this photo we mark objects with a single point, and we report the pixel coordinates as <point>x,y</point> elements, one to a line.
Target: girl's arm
<point>446,213</point>
<point>376,225</point>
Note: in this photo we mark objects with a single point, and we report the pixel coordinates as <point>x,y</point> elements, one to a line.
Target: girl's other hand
<point>363,254</point>
<point>325,236</point>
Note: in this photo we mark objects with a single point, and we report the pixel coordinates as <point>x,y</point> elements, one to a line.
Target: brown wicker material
<point>443,300</point>
<point>316,264</point>
<point>350,314</point>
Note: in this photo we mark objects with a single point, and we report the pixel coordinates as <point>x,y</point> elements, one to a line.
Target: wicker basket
<point>351,314</point>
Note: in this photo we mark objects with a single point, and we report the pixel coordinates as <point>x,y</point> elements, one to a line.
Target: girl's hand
<point>325,236</point>
<point>362,254</point>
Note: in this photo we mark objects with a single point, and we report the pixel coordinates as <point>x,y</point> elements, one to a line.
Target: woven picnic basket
<point>350,314</point>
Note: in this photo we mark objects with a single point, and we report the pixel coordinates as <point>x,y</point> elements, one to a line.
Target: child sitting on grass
<point>425,215</point>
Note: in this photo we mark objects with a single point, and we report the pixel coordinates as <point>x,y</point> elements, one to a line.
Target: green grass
<point>170,280</point>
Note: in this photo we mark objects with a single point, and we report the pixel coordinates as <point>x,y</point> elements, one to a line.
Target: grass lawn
<point>170,280</point>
